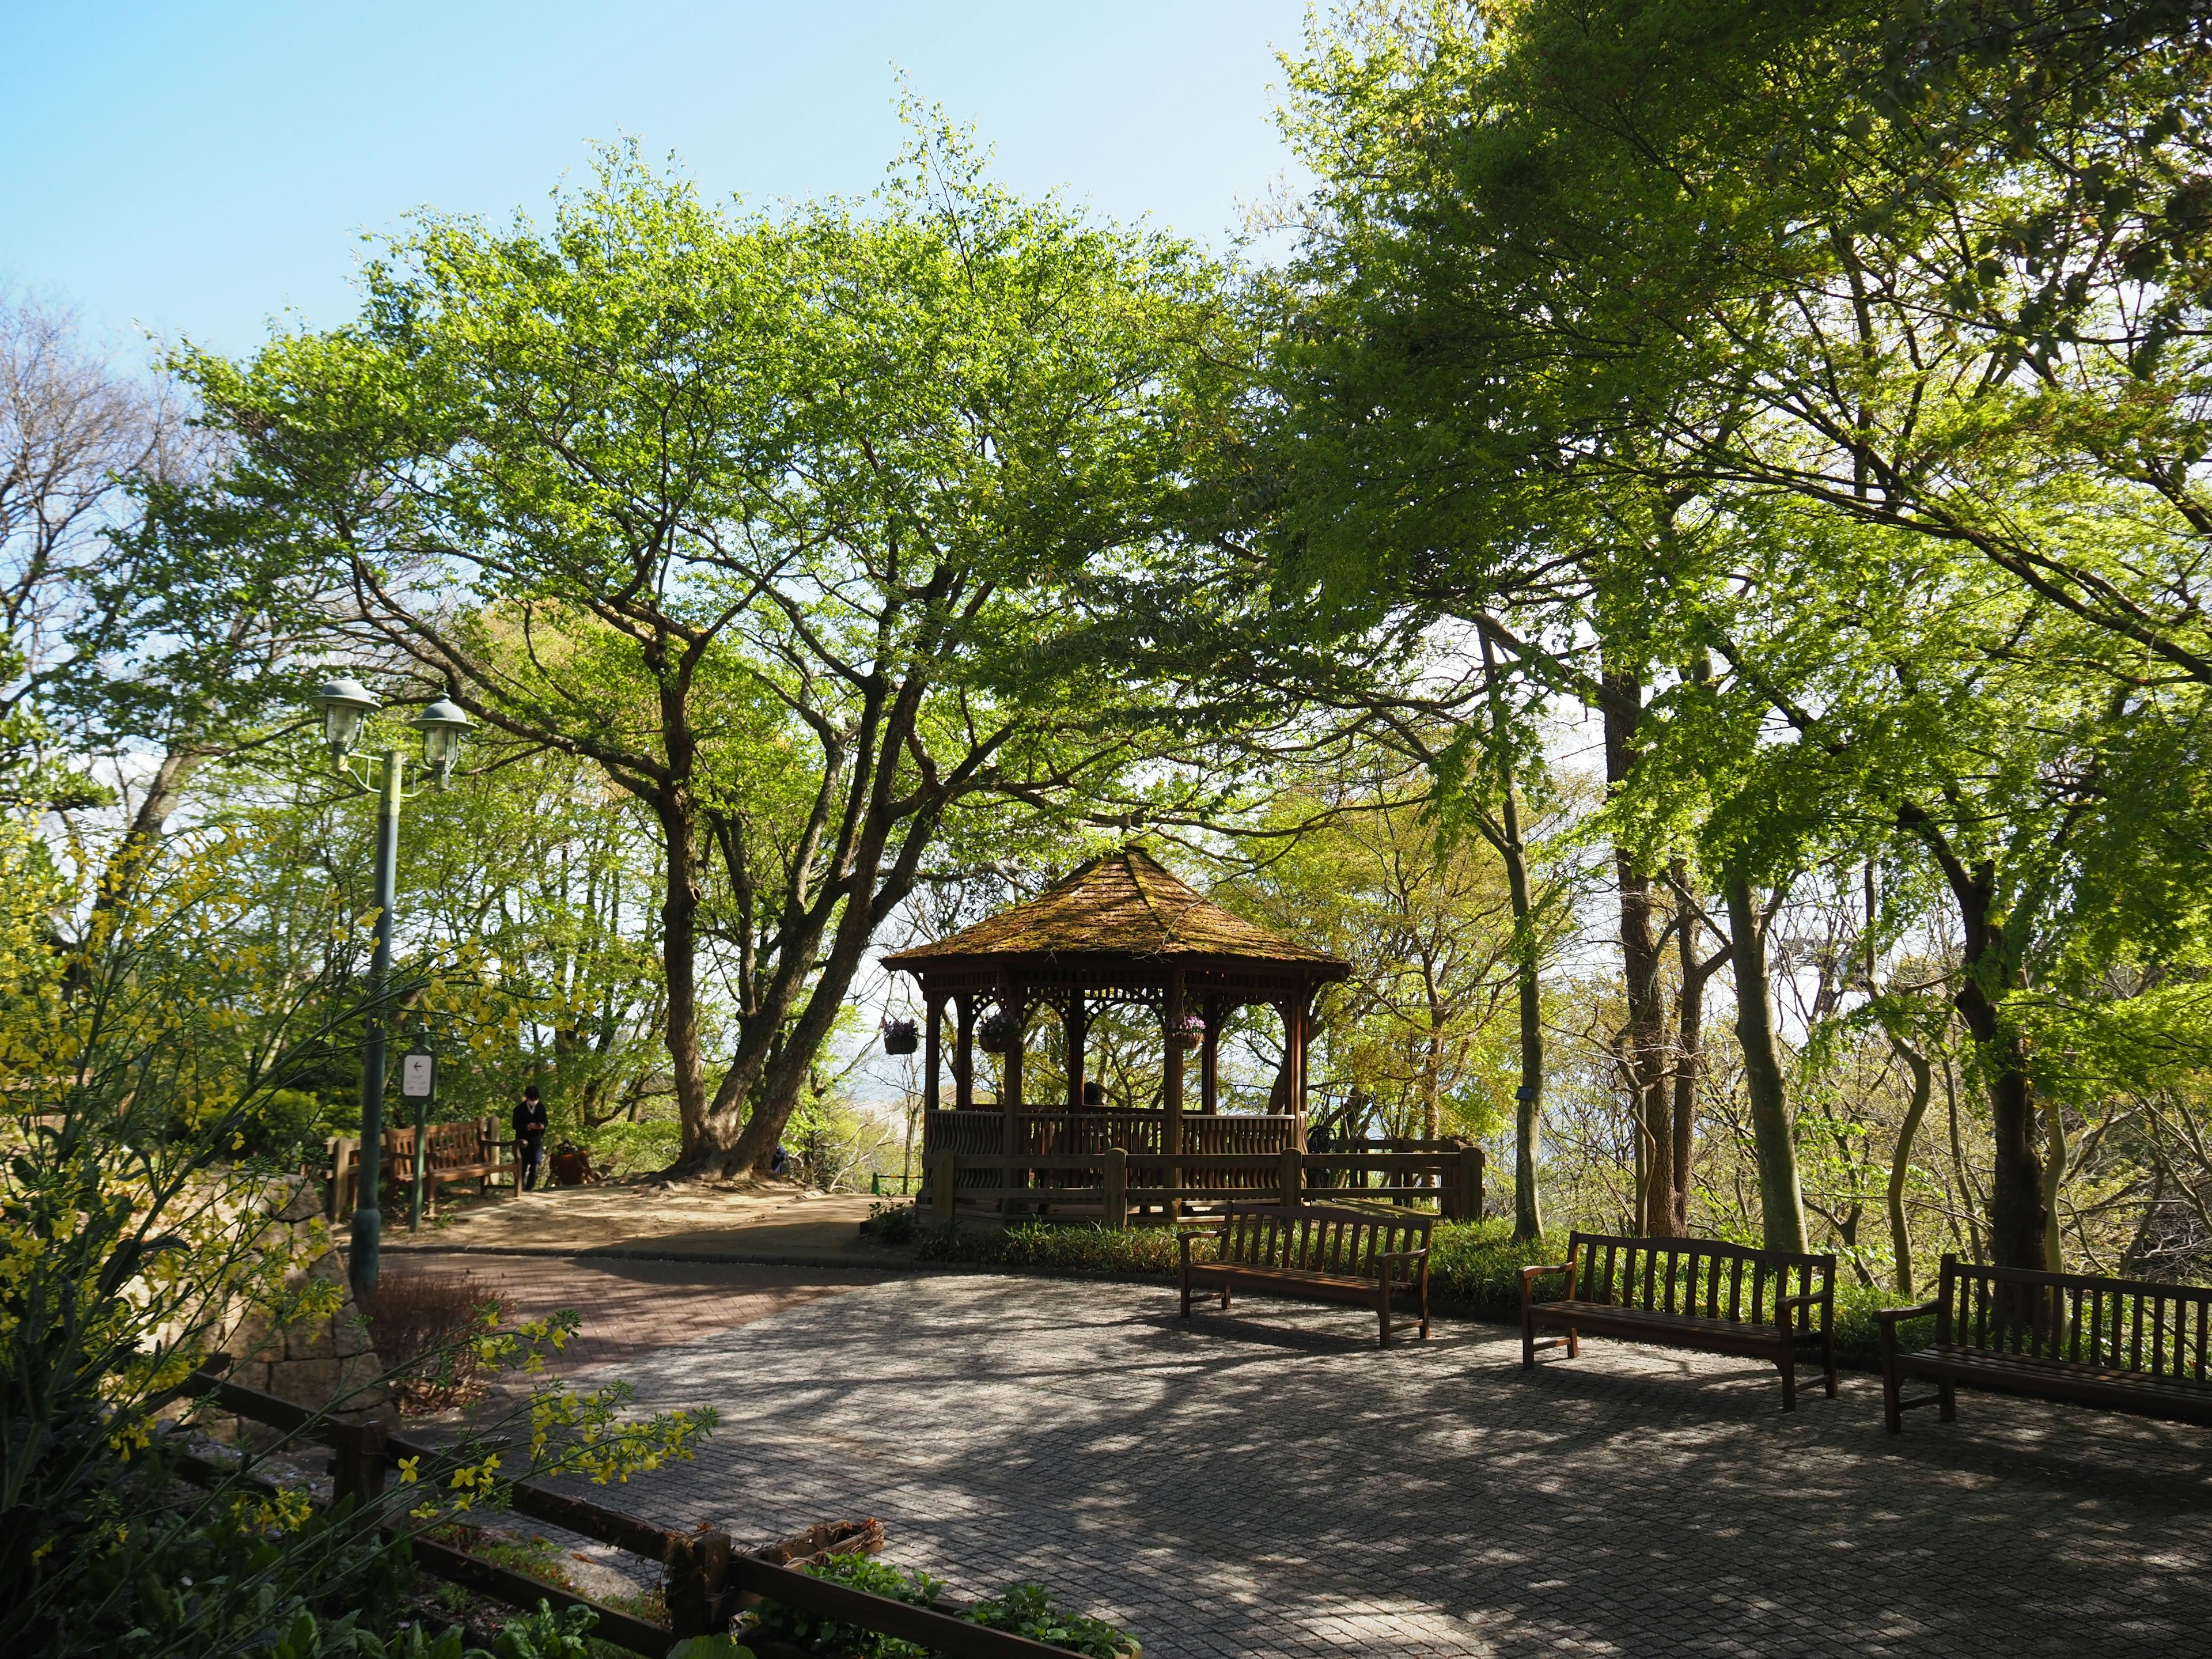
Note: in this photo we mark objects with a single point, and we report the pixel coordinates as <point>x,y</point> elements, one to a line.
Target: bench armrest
<point>1530,1275</point>
<point>1890,1315</point>
<point>1398,1255</point>
<point>1810,1299</point>
<point>1886,1318</point>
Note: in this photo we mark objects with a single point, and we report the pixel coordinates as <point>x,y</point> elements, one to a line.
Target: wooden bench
<point>1316,1252</point>
<point>1689,1293</point>
<point>2122,1345</point>
<point>468,1151</point>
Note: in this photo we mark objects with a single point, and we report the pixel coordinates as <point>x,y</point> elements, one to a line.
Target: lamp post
<point>346,704</point>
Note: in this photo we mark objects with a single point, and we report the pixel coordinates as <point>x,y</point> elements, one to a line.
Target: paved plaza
<point>1267,1483</point>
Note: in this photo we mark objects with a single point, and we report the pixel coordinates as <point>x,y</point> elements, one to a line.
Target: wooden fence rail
<point>1111,1185</point>
<point>706,1582</point>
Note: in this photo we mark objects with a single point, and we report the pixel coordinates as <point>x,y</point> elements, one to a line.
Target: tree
<point>1690,263</point>
<point>1413,1034</point>
<point>73,435</point>
<point>758,515</point>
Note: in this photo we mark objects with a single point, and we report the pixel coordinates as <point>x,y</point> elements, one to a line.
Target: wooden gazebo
<point>1119,930</point>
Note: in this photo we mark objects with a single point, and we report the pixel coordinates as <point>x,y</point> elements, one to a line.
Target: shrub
<point>1023,1609</point>
<point>818,1635</point>
<point>892,1222</point>
<point>1858,1338</point>
<point>418,1322</point>
<point>131,1242</point>
<point>1055,1247</point>
<point>1027,1610</point>
<point>1475,1265</point>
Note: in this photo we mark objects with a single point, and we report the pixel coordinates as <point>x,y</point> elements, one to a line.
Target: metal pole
<point>368,1220</point>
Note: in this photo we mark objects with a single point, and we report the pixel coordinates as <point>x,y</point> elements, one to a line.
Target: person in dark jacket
<point>530,1136</point>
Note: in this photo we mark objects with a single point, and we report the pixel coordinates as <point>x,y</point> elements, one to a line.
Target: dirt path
<point>636,1216</point>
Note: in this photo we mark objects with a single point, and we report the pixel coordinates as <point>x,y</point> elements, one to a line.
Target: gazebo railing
<point>1116,1186</point>
<point>1052,1133</point>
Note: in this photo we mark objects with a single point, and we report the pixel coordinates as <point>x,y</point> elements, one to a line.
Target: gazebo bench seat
<point>1318,1253</point>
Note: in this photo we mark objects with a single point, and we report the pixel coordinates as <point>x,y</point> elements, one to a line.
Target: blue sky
<point>200,169</point>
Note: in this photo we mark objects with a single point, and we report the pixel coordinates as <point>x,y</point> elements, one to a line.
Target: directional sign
<point>418,1073</point>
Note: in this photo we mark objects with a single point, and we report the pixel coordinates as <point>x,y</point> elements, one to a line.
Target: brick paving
<point>1267,1483</point>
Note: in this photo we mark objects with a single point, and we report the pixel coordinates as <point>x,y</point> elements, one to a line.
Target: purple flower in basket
<point>899,1037</point>
<point>996,1034</point>
<point>1190,1031</point>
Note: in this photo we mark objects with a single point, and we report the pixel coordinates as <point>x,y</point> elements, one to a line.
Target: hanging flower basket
<point>899,1037</point>
<point>1191,1031</point>
<point>996,1034</point>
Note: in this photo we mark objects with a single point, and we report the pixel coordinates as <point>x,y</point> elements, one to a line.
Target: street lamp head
<point>345,704</point>
<point>443,724</point>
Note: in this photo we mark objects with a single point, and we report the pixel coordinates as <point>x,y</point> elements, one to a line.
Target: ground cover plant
<point>1023,1609</point>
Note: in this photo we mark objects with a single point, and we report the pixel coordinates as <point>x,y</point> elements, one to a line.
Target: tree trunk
<point>1781,1202</point>
<point>2054,1174</point>
<point>1504,836</point>
<point>2019,1217</point>
<point>679,923</point>
<point>1528,1109</point>
<point>1645,1042</point>
<point>1432,1061</point>
<point>1901,1236</point>
<point>1689,1057</point>
<point>163,791</point>
<point>869,893</point>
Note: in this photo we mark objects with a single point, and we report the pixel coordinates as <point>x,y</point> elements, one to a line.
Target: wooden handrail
<point>473,1572</point>
<point>706,1576</point>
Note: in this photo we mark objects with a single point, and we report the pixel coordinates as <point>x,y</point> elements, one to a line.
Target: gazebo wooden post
<point>1010,1090</point>
<point>1302,1018</point>
<point>1279,1092</point>
<point>1172,1084</point>
<point>1075,1025</point>
<point>931,1049</point>
<point>1209,1060</point>
<point>963,1053</point>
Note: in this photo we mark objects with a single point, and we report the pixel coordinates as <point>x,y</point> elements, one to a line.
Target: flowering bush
<point>137,1238</point>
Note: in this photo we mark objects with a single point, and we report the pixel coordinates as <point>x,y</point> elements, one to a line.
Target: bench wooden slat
<point>1324,1252</point>
<point>1620,1286</point>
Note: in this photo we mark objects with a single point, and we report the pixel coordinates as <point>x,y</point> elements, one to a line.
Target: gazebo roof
<point>1125,906</point>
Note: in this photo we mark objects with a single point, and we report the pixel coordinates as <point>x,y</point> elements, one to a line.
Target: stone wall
<point>320,1361</point>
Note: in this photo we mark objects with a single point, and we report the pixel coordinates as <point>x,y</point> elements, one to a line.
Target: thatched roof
<point>1123,905</point>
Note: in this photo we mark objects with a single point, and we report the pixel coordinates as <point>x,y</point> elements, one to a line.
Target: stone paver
<point>1268,1483</point>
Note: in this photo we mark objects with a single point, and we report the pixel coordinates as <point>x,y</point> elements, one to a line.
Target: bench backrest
<point>1321,1238</point>
<point>1706,1278</point>
<point>462,1146</point>
<point>2115,1324</point>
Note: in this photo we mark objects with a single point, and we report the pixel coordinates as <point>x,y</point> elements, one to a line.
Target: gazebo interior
<point>1119,930</point>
